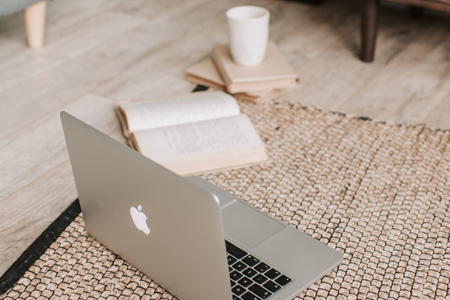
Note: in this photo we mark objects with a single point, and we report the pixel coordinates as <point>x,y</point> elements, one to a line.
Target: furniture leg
<point>35,24</point>
<point>369,29</point>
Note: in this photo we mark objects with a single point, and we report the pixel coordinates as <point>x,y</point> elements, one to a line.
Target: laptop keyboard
<point>252,279</point>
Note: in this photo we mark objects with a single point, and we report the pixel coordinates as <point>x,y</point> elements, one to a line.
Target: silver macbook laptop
<point>194,239</point>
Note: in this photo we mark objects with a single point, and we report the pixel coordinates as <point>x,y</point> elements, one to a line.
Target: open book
<point>192,134</point>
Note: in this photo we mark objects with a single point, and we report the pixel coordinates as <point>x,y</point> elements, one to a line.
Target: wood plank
<point>60,19</point>
<point>397,93</point>
<point>53,87</point>
<point>326,55</point>
<point>29,65</point>
<point>438,116</point>
<point>36,178</point>
<point>162,70</point>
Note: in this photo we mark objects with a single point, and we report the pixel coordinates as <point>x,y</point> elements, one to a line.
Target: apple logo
<point>139,219</point>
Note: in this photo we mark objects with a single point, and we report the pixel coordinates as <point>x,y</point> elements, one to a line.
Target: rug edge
<point>38,247</point>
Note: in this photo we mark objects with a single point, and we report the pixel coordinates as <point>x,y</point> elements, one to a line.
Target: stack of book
<point>258,83</point>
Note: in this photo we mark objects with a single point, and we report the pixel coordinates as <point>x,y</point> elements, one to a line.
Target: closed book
<point>205,73</point>
<point>274,72</point>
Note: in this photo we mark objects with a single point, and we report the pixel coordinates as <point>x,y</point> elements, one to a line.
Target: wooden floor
<point>98,52</point>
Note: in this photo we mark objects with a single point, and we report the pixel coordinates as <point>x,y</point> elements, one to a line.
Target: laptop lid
<point>163,225</point>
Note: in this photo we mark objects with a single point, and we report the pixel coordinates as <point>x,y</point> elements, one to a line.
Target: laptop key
<point>260,278</point>
<point>239,266</point>
<point>250,260</point>
<point>238,290</point>
<point>262,267</point>
<point>272,274</point>
<point>249,272</point>
<point>260,291</point>
<point>231,260</point>
<point>245,282</point>
<point>272,286</point>
<point>283,280</point>
<point>232,283</point>
<point>235,275</point>
<point>236,297</point>
<point>249,296</point>
<point>235,251</point>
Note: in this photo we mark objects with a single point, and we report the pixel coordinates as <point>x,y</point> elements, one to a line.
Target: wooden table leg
<point>35,24</point>
<point>369,29</point>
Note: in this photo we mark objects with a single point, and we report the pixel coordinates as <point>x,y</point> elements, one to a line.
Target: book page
<point>184,109</point>
<point>199,141</point>
<point>219,164</point>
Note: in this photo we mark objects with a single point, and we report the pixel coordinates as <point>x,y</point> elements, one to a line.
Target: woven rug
<point>377,192</point>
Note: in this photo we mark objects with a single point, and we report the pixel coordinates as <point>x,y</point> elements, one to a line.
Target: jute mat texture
<point>377,192</point>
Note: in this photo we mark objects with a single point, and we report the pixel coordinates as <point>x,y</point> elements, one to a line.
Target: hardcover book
<point>205,73</point>
<point>273,73</point>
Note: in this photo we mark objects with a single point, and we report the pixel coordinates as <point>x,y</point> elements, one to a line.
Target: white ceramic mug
<point>248,34</point>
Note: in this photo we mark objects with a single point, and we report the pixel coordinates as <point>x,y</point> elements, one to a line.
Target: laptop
<point>196,240</point>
